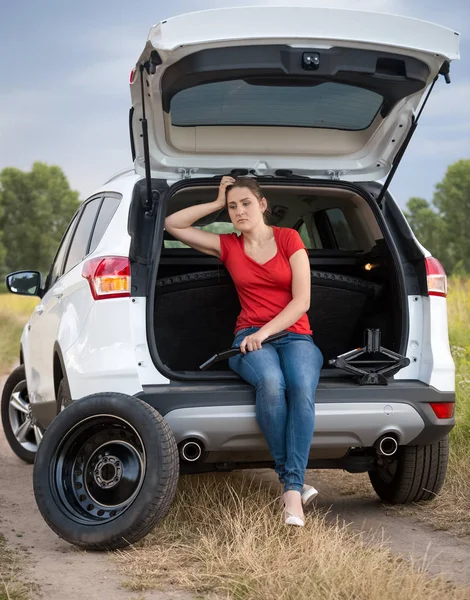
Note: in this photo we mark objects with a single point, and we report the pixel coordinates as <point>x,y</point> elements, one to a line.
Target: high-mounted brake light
<point>108,276</point>
<point>132,76</point>
<point>443,410</point>
<point>436,276</point>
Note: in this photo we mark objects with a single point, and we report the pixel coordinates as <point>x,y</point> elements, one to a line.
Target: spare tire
<point>106,471</point>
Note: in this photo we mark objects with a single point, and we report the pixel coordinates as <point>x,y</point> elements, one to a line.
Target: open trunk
<point>355,282</point>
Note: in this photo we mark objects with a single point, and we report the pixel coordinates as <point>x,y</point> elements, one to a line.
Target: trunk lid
<point>324,93</point>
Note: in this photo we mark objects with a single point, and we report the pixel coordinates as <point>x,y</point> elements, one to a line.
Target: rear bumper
<point>222,415</point>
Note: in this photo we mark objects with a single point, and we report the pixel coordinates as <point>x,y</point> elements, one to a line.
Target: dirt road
<point>61,571</point>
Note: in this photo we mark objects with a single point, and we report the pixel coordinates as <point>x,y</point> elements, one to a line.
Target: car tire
<point>20,432</point>
<point>106,471</point>
<point>415,474</point>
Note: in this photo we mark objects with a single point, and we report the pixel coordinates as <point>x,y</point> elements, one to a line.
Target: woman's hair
<point>253,186</point>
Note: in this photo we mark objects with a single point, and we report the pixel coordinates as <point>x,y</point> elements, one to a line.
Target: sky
<point>64,90</point>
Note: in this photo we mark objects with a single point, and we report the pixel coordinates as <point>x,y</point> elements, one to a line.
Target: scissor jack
<point>374,370</point>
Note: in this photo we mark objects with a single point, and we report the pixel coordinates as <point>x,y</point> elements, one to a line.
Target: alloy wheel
<point>26,432</point>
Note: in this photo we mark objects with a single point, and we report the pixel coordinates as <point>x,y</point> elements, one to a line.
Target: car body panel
<point>338,425</point>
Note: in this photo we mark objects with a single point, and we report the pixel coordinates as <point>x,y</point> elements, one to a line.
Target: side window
<point>334,230</point>
<point>305,237</point>
<point>79,245</point>
<point>221,227</point>
<point>56,269</point>
<point>344,237</point>
<point>107,210</point>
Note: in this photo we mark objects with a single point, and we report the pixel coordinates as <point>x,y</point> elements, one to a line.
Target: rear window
<point>326,105</point>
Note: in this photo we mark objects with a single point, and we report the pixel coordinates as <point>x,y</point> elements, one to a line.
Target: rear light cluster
<point>443,410</point>
<point>436,277</point>
<point>108,277</point>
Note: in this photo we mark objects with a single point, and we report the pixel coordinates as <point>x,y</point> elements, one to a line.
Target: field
<point>14,312</point>
<point>224,536</point>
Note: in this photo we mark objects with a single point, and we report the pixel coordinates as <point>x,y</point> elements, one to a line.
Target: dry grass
<point>10,587</point>
<point>14,313</point>
<point>225,535</point>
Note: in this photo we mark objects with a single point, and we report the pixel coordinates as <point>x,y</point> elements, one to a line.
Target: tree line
<point>443,226</point>
<point>36,206</point>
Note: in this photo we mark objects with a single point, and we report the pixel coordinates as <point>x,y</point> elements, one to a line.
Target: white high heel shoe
<point>291,519</point>
<point>309,493</point>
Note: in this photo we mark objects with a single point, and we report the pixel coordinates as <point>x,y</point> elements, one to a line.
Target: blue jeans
<point>285,376</point>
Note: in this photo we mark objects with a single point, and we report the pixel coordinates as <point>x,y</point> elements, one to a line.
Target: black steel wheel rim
<point>98,469</point>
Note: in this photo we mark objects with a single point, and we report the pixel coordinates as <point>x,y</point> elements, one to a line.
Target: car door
<point>46,321</point>
<point>39,319</point>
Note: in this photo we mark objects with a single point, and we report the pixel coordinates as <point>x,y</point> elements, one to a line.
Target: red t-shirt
<point>264,290</point>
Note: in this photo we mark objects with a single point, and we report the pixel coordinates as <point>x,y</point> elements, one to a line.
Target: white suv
<point>318,105</point>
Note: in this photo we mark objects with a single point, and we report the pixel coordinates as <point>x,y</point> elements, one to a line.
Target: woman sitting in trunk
<point>271,272</point>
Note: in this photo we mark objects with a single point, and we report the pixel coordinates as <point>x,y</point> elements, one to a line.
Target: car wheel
<point>106,471</point>
<point>22,434</point>
<point>415,474</point>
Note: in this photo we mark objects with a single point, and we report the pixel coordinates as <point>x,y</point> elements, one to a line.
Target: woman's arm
<point>179,224</point>
<point>298,306</point>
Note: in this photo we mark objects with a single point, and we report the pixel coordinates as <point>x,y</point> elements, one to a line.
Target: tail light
<point>443,410</point>
<point>108,276</point>
<point>436,276</point>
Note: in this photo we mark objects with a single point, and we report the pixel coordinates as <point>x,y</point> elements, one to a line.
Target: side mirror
<point>24,283</point>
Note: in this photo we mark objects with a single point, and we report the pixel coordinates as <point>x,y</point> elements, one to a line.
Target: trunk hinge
<point>406,141</point>
<point>335,175</point>
<point>187,173</point>
<point>151,198</point>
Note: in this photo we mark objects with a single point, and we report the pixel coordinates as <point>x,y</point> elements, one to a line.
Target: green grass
<point>9,349</point>
<point>14,312</point>
<point>459,334</point>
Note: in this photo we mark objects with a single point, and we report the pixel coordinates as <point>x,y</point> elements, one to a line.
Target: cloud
<point>374,5</point>
<point>20,108</point>
<point>450,149</point>
<point>449,100</point>
<point>378,5</point>
<point>104,77</point>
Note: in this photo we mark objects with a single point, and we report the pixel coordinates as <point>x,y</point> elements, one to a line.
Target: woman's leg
<point>301,362</point>
<point>262,369</point>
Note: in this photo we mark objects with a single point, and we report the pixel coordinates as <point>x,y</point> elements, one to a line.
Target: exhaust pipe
<point>191,451</point>
<point>386,445</point>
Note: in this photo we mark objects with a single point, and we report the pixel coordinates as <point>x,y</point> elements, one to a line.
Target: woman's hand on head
<point>226,181</point>
<point>252,342</point>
